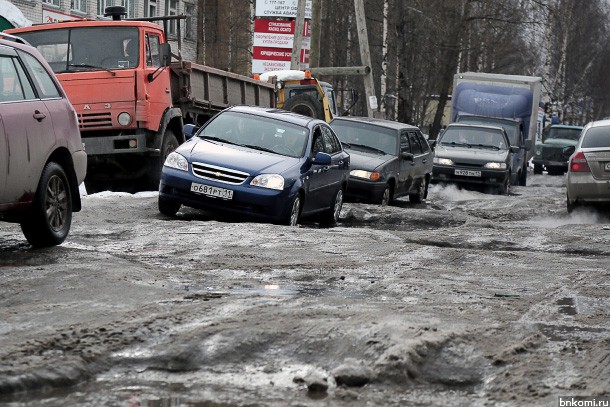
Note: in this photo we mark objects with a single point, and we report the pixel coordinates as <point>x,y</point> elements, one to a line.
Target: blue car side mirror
<point>322,159</point>
<point>189,131</point>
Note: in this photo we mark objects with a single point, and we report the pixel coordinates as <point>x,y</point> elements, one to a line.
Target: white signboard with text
<point>280,8</point>
<point>272,45</point>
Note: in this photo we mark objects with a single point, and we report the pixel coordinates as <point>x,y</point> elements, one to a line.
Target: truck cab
<point>300,92</point>
<point>114,73</point>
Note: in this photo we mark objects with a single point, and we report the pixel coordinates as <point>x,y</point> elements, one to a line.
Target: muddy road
<point>468,299</point>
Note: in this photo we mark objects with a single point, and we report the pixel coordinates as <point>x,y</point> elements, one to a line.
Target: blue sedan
<point>266,164</point>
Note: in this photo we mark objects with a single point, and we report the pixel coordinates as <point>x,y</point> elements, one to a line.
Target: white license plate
<point>468,173</point>
<point>607,167</point>
<point>211,191</point>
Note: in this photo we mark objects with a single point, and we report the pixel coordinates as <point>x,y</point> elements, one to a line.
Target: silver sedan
<point>588,177</point>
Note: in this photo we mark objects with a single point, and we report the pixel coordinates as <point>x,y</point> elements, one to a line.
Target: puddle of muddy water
<point>559,333</point>
<point>567,306</point>
<point>273,290</point>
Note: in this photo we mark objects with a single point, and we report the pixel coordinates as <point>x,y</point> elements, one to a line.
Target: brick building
<point>44,11</point>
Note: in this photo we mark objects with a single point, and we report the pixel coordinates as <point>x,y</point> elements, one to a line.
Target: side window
<point>424,143</point>
<point>318,142</point>
<point>414,141</point>
<point>331,143</point>
<point>404,143</point>
<point>152,50</point>
<point>10,85</point>
<point>43,81</point>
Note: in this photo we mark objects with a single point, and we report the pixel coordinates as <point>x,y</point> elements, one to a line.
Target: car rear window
<point>597,137</point>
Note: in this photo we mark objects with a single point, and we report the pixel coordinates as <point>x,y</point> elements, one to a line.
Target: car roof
<point>379,122</point>
<point>566,126</point>
<point>599,123</point>
<point>15,42</point>
<point>275,113</point>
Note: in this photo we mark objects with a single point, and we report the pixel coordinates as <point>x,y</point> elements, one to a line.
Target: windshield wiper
<point>267,150</point>
<point>92,67</point>
<point>220,140</point>
<point>453,143</point>
<point>366,147</point>
<point>486,146</point>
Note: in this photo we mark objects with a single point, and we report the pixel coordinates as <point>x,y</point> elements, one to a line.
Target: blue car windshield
<point>257,132</point>
<point>357,135</point>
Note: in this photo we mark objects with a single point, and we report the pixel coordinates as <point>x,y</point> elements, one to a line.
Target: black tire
<point>523,177</point>
<point>504,187</point>
<point>330,217</point>
<point>294,215</point>
<point>305,104</point>
<point>170,143</point>
<point>537,169</point>
<point>422,192</point>
<point>387,197</point>
<point>571,206</point>
<point>50,216</point>
<point>168,207</point>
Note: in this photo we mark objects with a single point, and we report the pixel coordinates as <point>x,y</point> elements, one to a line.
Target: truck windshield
<point>564,133</point>
<point>510,127</point>
<point>87,48</point>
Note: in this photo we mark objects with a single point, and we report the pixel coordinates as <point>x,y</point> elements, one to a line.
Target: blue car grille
<point>220,174</point>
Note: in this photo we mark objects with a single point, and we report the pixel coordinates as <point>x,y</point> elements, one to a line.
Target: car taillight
<point>578,163</point>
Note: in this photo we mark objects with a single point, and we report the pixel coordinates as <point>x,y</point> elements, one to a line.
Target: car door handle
<point>39,116</point>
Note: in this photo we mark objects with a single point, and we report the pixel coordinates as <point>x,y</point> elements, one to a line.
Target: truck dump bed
<point>198,88</point>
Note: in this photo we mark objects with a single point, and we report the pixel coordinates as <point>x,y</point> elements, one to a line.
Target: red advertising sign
<point>272,45</point>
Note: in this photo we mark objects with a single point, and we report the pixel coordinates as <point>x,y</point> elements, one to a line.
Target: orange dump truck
<point>131,98</point>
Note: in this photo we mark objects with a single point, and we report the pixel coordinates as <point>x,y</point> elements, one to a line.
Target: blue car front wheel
<point>295,212</point>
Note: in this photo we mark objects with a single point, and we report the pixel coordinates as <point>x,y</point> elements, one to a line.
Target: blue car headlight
<point>272,181</point>
<point>177,161</point>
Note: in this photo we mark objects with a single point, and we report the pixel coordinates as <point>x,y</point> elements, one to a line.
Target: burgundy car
<point>42,160</point>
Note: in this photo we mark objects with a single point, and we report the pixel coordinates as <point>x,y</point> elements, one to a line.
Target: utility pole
<point>365,56</point>
<point>298,35</point>
<point>316,32</point>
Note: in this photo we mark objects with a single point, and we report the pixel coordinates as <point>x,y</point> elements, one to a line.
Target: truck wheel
<point>537,169</point>
<point>523,177</point>
<point>50,217</point>
<point>170,143</point>
<point>305,104</point>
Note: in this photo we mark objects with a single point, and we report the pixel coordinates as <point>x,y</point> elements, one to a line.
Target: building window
<point>79,5</point>
<point>129,7</point>
<point>151,8</point>
<point>189,31</point>
<point>53,2</point>
<point>171,9</point>
<point>101,6</point>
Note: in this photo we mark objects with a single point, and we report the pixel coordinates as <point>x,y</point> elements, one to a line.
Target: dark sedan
<point>265,164</point>
<point>388,159</point>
